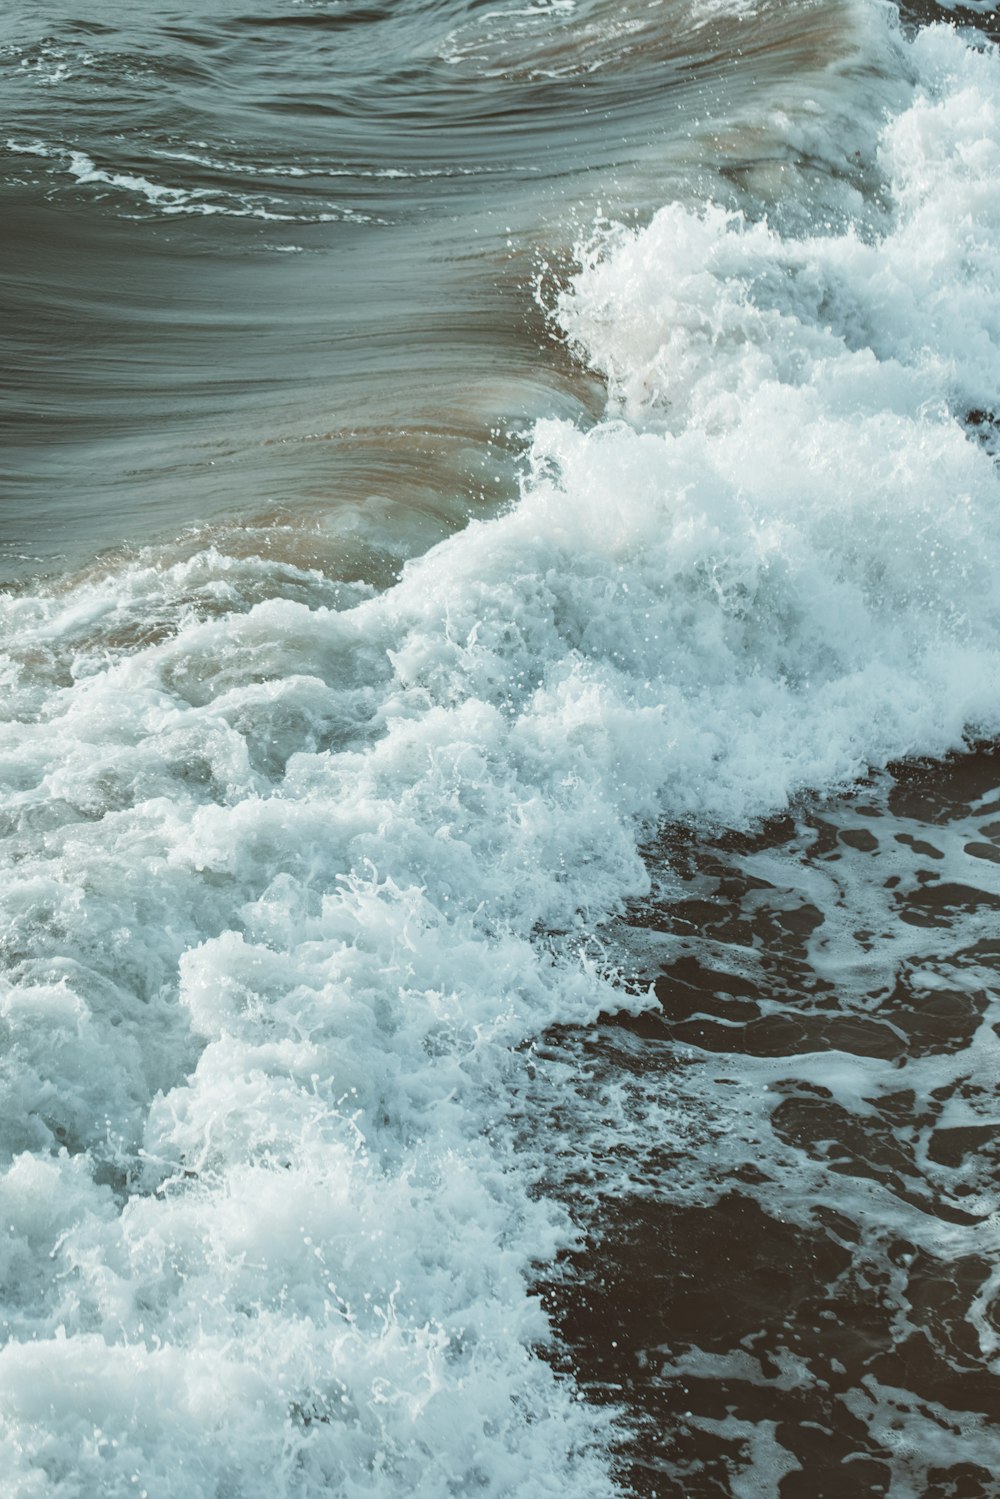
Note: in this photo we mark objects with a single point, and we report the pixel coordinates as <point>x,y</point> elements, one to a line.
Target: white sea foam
<point>287,884</point>
<point>197,201</point>
<point>973,7</point>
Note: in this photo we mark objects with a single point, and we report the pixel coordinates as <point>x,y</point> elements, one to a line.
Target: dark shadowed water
<point>799,1292</point>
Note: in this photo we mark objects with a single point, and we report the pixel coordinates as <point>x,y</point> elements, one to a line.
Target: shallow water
<point>498,905</point>
<point>799,1289</point>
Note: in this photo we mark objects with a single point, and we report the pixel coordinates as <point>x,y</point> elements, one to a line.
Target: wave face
<point>311,857</point>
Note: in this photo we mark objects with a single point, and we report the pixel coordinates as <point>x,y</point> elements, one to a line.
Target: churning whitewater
<point>295,870</point>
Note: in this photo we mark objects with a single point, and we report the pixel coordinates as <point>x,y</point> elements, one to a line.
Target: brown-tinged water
<point>800,1293</point>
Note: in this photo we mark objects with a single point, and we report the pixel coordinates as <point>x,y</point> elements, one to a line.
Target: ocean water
<point>500,828</point>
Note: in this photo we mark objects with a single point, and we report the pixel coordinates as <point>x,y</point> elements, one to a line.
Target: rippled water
<point>280,265</point>
<point>798,1290</point>
<point>501,678</point>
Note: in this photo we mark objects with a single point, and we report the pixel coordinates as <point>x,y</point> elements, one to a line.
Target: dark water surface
<point>801,1292</point>
<point>500,816</point>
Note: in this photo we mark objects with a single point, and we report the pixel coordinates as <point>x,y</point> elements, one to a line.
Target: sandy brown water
<point>801,1297</point>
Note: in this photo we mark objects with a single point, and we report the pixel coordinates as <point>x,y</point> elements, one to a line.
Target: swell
<point>340,245</point>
